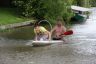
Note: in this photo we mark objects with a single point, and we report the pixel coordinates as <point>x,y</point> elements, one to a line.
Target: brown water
<point>80,47</point>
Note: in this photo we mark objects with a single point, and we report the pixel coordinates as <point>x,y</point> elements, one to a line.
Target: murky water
<point>80,47</point>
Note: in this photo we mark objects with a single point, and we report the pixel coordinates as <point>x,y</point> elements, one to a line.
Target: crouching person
<point>41,33</point>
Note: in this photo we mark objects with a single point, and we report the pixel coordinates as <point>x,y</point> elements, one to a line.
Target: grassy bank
<point>9,16</point>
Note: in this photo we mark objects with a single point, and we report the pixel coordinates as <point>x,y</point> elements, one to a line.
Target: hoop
<point>47,22</point>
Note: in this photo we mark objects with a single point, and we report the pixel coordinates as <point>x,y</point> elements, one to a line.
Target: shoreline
<point>16,25</point>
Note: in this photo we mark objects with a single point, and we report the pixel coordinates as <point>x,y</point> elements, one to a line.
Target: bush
<point>45,9</point>
<point>93,3</point>
<point>24,7</point>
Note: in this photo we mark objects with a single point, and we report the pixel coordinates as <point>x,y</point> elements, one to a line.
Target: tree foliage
<point>82,3</point>
<point>50,9</point>
<point>45,9</point>
<point>93,3</point>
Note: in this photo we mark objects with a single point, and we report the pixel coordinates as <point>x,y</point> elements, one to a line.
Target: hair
<point>60,19</point>
<point>36,24</point>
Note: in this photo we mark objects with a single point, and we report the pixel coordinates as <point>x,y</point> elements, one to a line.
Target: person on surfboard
<point>58,30</point>
<point>41,33</point>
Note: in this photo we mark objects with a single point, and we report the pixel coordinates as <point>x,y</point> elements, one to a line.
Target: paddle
<point>69,32</point>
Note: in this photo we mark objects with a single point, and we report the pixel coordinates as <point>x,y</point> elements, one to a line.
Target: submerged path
<point>16,25</point>
<point>81,48</point>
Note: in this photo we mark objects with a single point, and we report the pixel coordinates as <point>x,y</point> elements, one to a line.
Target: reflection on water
<point>18,33</point>
<point>79,48</point>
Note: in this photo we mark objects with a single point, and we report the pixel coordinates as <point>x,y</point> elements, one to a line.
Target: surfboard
<point>41,43</point>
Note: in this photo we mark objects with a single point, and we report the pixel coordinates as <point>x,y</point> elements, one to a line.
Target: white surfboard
<point>40,43</point>
<point>52,41</point>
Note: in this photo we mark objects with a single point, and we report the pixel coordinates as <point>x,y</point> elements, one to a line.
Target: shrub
<point>92,3</point>
<point>45,9</point>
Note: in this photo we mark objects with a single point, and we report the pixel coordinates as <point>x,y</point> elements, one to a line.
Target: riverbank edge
<point>15,25</point>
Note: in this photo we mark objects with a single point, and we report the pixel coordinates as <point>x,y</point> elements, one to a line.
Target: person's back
<point>42,29</point>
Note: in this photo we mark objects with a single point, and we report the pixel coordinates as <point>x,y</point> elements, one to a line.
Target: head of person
<point>36,27</point>
<point>59,22</point>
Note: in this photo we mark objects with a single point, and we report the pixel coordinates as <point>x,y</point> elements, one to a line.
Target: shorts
<point>42,37</point>
<point>56,38</point>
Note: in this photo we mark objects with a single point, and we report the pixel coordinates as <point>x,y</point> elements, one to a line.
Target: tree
<point>83,3</point>
<point>92,3</point>
<point>45,9</point>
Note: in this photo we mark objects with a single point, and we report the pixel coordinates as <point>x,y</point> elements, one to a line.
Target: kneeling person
<point>41,33</point>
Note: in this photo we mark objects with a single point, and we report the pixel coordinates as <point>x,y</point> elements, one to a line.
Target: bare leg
<point>64,41</point>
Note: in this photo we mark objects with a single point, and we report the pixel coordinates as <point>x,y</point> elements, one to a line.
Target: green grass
<point>9,16</point>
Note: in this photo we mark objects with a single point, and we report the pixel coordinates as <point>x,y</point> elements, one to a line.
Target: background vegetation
<point>93,3</point>
<point>47,9</point>
<point>9,16</point>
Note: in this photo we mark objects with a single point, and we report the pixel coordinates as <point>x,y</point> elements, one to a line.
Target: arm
<point>52,31</point>
<point>49,34</point>
<point>64,29</point>
<point>46,32</point>
<point>35,34</point>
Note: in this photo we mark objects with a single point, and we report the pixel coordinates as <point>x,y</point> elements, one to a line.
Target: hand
<point>49,39</point>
